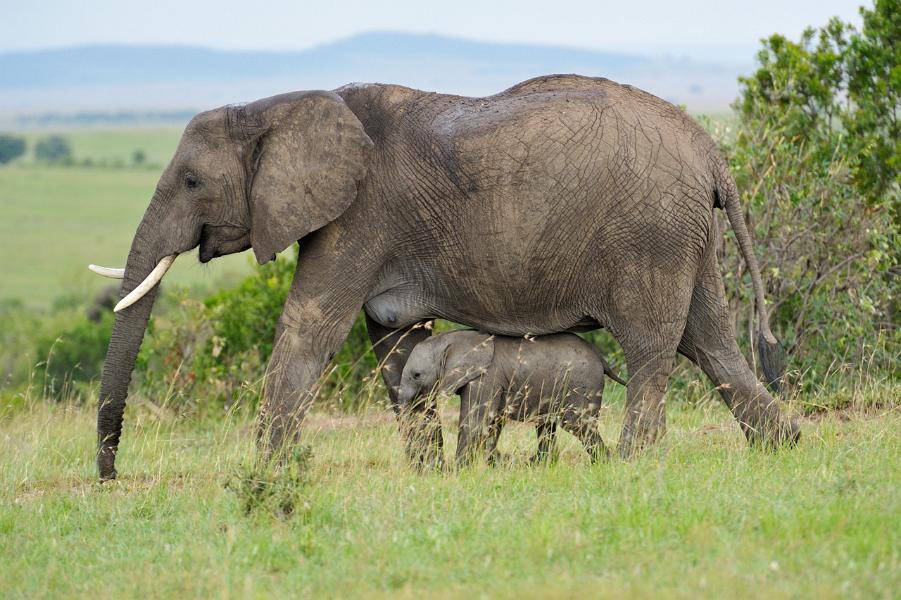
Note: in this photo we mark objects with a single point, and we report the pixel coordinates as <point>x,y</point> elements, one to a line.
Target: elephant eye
<point>191,182</point>
<point>416,375</point>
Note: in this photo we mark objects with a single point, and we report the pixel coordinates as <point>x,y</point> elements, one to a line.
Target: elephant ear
<point>467,356</point>
<point>309,156</point>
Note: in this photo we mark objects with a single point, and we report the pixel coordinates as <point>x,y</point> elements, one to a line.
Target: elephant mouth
<point>219,240</point>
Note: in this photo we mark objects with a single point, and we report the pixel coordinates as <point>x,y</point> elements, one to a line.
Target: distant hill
<point>175,78</point>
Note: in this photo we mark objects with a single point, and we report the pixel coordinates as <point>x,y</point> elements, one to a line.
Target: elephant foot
<point>542,458</point>
<point>106,464</point>
<point>598,453</point>
<point>783,433</point>
<point>633,443</point>
<point>425,455</point>
<point>498,459</point>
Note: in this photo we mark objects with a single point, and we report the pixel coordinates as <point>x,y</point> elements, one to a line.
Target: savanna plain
<point>700,514</point>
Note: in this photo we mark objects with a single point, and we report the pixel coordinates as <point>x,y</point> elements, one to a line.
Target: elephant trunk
<point>125,341</point>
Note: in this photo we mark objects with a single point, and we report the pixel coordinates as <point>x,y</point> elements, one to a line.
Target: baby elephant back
<point>555,368</point>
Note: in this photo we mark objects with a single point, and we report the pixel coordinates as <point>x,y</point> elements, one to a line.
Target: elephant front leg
<point>420,426</point>
<point>300,354</point>
<point>650,345</point>
<point>314,323</point>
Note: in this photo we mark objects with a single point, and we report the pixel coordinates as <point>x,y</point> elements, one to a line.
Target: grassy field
<point>701,514</point>
<point>115,144</point>
<point>54,221</point>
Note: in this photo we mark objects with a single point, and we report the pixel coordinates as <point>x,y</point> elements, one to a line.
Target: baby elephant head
<point>445,363</point>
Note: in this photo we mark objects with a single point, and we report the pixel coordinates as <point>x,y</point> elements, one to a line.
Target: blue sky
<point>710,30</point>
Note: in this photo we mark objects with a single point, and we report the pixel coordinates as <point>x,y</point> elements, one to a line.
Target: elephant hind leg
<point>649,339</point>
<point>585,429</point>
<point>648,323</point>
<point>710,343</point>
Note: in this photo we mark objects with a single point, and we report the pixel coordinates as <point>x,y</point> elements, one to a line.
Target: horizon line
<point>653,53</point>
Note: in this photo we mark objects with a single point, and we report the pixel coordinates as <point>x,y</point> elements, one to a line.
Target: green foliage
<point>76,354</point>
<point>59,350</point>
<point>18,326</point>
<point>873,66</point>
<point>816,157</point>
<point>217,350</point>
<point>138,157</point>
<point>53,149</point>
<point>11,148</point>
<point>223,352</point>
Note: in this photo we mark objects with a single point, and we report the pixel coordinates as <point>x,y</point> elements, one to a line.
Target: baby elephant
<point>550,378</point>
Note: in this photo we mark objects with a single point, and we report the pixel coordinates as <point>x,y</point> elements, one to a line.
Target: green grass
<point>54,221</point>
<point>699,515</point>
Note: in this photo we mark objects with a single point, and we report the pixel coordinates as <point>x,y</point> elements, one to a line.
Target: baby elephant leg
<point>494,434</point>
<point>546,428</point>
<point>476,420</point>
<point>580,418</point>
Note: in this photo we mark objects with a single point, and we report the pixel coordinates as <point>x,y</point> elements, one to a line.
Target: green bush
<point>53,149</point>
<point>816,157</point>
<point>216,351</point>
<point>11,148</point>
<point>17,332</point>
<point>76,354</point>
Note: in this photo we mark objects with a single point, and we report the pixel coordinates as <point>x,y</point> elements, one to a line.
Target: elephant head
<point>445,363</point>
<point>262,175</point>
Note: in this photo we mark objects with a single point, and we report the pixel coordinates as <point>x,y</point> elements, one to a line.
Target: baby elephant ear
<point>310,154</point>
<point>468,355</point>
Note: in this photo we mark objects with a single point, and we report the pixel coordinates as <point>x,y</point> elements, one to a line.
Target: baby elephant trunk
<point>405,395</point>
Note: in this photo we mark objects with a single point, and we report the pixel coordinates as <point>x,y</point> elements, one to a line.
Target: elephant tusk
<point>145,286</point>
<point>108,271</point>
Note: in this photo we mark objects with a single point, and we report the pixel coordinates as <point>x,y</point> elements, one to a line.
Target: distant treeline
<point>92,118</point>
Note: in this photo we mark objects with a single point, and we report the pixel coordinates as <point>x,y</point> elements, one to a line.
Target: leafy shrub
<point>816,157</point>
<point>17,329</point>
<point>74,355</point>
<point>53,149</point>
<point>11,148</point>
<point>218,350</point>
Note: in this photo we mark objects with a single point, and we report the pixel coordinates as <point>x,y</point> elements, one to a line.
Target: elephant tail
<point>608,370</point>
<point>612,375</point>
<point>772,356</point>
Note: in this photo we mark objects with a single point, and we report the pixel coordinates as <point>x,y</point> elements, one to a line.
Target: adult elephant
<point>562,203</point>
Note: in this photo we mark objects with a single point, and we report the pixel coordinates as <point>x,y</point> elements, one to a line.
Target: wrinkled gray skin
<point>562,203</point>
<point>549,379</point>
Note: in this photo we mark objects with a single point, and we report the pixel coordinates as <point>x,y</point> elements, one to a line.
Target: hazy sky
<point>725,30</point>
